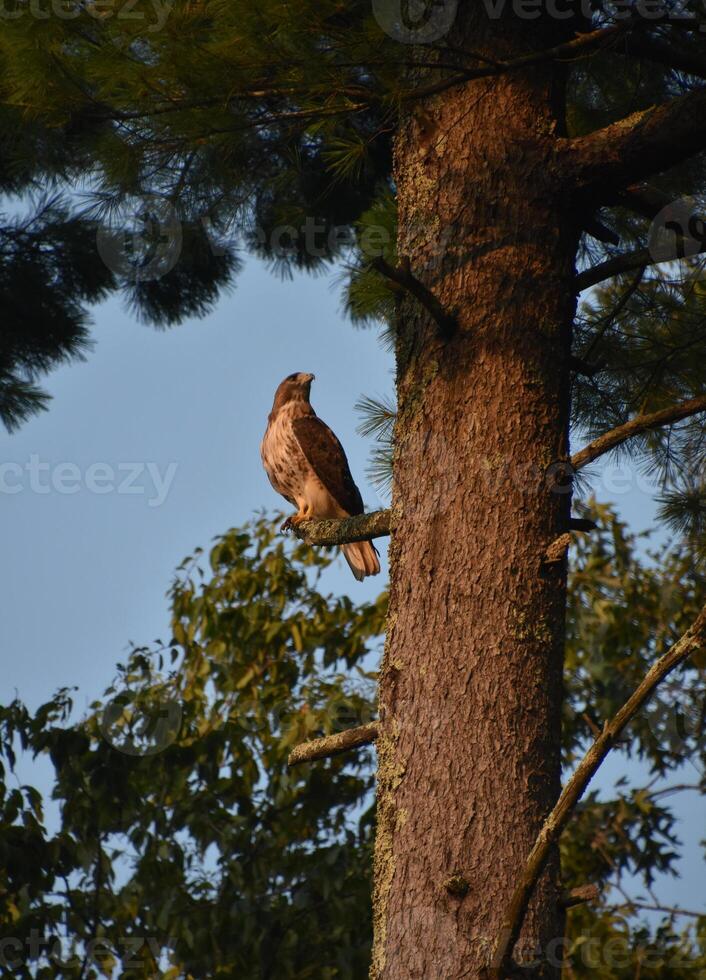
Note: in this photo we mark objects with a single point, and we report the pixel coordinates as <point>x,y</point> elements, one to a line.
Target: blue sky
<point>167,425</point>
<point>86,572</point>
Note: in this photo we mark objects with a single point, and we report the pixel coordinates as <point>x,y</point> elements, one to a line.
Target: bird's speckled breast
<point>285,464</point>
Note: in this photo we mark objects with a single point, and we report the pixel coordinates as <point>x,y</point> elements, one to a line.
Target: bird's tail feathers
<point>362,557</point>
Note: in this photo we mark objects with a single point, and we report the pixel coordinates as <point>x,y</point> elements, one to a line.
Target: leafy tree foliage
<point>185,844</point>
<point>211,847</point>
<point>51,270</point>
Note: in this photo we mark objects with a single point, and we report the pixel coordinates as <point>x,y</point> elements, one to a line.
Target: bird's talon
<point>292,522</point>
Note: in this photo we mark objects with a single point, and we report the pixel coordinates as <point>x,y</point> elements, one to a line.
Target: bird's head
<point>295,387</point>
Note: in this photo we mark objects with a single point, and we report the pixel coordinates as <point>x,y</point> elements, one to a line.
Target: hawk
<point>305,462</point>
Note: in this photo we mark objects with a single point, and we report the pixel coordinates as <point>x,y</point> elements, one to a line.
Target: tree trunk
<point>471,685</point>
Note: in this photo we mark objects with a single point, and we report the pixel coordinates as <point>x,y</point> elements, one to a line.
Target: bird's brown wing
<point>326,457</point>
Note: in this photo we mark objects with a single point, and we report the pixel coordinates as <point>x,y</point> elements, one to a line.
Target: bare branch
<point>642,144</point>
<point>335,531</point>
<point>579,896</point>
<point>584,44</point>
<point>595,729</point>
<point>692,641</point>
<point>326,748</point>
<point>677,788</point>
<point>596,229</point>
<point>681,58</point>
<point>642,199</point>
<point>403,278</point>
<point>580,366</point>
<point>636,426</point>
<point>557,549</point>
<point>581,524</point>
<point>639,259</point>
<point>644,906</point>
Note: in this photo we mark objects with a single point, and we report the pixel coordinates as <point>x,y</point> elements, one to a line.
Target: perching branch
<point>692,641</point>
<point>335,531</point>
<point>326,748</point>
<point>402,277</point>
<point>642,144</point>
<point>636,426</point>
<point>378,524</point>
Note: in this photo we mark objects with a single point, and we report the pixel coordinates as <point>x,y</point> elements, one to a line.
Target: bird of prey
<point>305,462</point>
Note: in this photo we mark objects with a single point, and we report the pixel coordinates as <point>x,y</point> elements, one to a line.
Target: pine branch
<point>580,896</point>
<point>643,199</point>
<point>19,401</point>
<point>582,524</point>
<point>608,320</point>
<point>692,641</point>
<point>640,258</point>
<point>642,423</point>
<point>636,147</point>
<point>584,44</point>
<point>585,368</point>
<point>331,745</point>
<point>661,52</point>
<point>362,527</point>
<point>402,277</point>
<point>596,229</point>
<point>627,31</point>
<point>683,509</point>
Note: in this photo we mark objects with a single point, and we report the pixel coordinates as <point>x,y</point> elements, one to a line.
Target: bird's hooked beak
<point>308,378</point>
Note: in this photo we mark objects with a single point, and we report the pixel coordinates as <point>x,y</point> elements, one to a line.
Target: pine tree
<point>530,154</point>
<point>51,270</point>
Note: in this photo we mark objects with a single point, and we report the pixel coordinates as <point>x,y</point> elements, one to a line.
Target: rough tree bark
<point>471,683</point>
